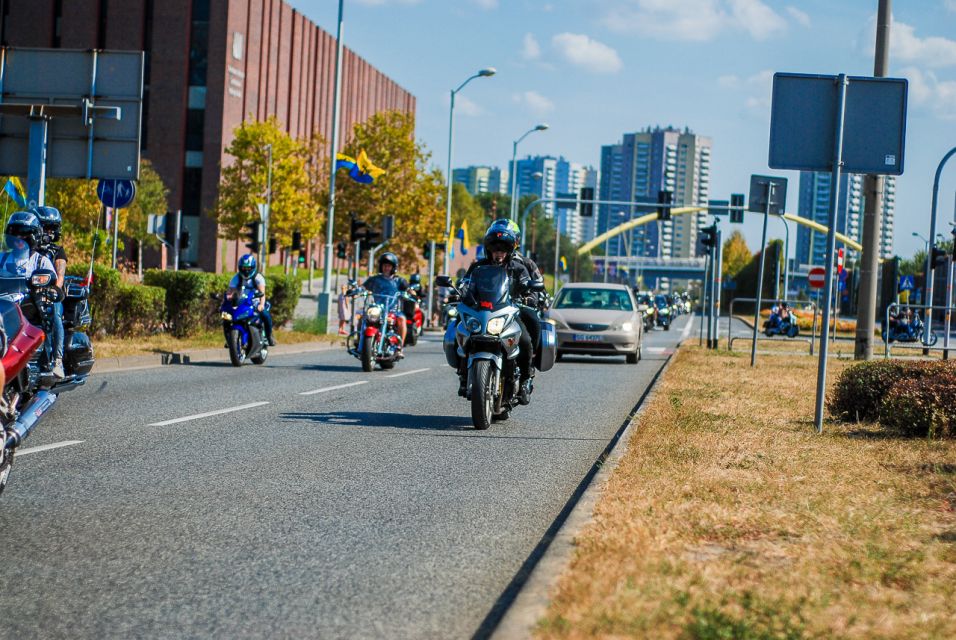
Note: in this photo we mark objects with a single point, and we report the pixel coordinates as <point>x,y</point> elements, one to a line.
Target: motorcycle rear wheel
<point>482,395</point>
<point>236,355</point>
<point>368,355</point>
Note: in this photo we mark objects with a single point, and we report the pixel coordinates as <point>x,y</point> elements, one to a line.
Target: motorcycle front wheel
<point>368,355</point>
<point>482,395</point>
<point>932,339</point>
<point>236,355</point>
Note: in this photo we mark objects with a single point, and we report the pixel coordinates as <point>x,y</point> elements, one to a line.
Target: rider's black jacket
<point>517,271</point>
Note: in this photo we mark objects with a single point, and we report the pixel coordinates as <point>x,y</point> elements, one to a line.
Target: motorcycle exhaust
<point>28,419</point>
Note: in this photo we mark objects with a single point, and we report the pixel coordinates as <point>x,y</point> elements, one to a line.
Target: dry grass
<point>165,343</point>
<point>729,518</point>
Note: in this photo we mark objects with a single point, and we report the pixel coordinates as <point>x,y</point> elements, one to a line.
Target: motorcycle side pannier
<point>450,345</point>
<point>544,358</point>
<point>79,354</point>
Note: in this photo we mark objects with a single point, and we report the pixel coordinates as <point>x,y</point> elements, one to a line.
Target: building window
<point>192,191</point>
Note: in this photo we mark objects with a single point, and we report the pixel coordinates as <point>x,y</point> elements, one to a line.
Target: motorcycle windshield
<point>488,288</point>
<point>383,290</point>
<point>13,263</point>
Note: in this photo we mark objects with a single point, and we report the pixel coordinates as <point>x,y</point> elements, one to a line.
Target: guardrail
<point>771,303</point>
<point>922,343</point>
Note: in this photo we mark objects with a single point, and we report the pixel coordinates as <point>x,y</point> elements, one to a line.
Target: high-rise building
<point>814,204</point>
<point>210,65</point>
<point>558,176</point>
<point>481,179</point>
<point>640,166</point>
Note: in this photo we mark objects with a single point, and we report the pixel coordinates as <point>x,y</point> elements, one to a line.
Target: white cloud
<point>535,102</point>
<point>906,46</point>
<point>585,52</point>
<point>950,4</point>
<point>530,49</point>
<point>464,106</point>
<point>928,91</point>
<point>757,90</point>
<point>802,16</point>
<point>693,20</point>
<point>486,4</point>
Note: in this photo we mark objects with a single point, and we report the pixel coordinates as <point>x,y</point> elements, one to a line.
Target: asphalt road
<point>333,504</point>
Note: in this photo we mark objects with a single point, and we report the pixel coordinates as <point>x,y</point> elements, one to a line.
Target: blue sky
<point>595,69</point>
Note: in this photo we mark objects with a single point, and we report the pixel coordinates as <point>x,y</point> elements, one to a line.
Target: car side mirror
<point>443,281</point>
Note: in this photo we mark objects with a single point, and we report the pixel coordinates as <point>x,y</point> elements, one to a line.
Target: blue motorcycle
<point>242,326</point>
<point>912,330</point>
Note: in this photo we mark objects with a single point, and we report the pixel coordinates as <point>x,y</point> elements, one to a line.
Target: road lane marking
<point>686,332</point>
<point>207,414</point>
<point>47,447</point>
<point>338,386</point>
<point>407,373</point>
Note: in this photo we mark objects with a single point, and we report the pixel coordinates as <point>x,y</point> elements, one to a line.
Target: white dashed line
<point>407,373</point>
<point>208,414</point>
<point>686,331</point>
<point>338,386</point>
<point>47,447</point>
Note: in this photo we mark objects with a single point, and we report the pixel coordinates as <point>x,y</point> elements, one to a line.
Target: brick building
<point>209,65</point>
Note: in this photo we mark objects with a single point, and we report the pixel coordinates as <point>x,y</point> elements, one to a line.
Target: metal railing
<point>922,343</point>
<point>770,303</point>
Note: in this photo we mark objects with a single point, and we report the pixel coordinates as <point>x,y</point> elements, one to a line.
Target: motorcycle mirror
<point>536,285</point>
<point>443,281</point>
<point>42,278</point>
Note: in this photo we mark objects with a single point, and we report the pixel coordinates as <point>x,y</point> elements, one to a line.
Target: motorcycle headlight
<point>374,313</point>
<point>473,324</point>
<point>665,311</point>
<point>452,312</point>
<point>495,325</point>
<point>226,316</point>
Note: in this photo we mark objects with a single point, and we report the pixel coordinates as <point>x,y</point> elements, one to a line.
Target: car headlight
<point>226,316</point>
<point>495,325</point>
<point>626,326</point>
<point>373,313</point>
<point>473,324</point>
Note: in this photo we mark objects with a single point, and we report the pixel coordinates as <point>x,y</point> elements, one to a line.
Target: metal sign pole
<point>116,226</point>
<point>719,250</point>
<point>703,299</point>
<point>179,221</point>
<point>831,251</point>
<point>949,304</point>
<point>557,251</point>
<point>763,261</point>
<point>431,282</point>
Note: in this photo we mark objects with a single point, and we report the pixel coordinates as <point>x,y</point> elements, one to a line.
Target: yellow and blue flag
<point>462,235</point>
<point>564,263</point>
<point>15,190</point>
<point>450,243</point>
<point>360,170</point>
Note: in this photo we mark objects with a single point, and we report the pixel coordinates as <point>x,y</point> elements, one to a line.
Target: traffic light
<point>939,256</point>
<point>954,241</point>
<point>737,213</point>
<point>708,236</point>
<point>296,241</point>
<point>357,228</point>
<point>273,246</point>
<point>388,227</point>
<point>427,251</point>
<point>587,208</point>
<point>341,250</point>
<point>253,231</point>
<point>666,198</point>
<point>370,239</point>
<point>184,240</point>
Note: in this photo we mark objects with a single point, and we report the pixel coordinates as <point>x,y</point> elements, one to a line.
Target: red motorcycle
<point>415,319</point>
<point>376,339</point>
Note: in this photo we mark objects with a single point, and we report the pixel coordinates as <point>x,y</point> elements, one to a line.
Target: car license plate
<point>587,337</point>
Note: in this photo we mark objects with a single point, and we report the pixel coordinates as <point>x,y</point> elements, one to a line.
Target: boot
<point>524,392</point>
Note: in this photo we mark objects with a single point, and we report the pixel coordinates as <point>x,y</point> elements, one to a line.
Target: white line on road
<point>407,373</point>
<point>47,447</point>
<point>207,414</point>
<point>686,331</point>
<point>338,386</point>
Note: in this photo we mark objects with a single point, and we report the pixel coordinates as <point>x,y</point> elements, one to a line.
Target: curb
<point>531,602</point>
<point>132,363</point>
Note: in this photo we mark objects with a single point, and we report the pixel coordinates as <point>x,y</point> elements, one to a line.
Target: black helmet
<point>50,220</point>
<point>415,278</point>
<point>390,258</point>
<point>504,224</point>
<point>500,239</point>
<point>26,226</point>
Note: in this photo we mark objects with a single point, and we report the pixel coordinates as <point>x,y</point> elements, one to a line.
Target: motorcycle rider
<point>500,243</point>
<point>388,278</point>
<point>249,279</point>
<point>51,222</point>
<point>23,231</point>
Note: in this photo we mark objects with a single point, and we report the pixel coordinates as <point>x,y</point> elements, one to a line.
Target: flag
<point>14,189</point>
<point>463,236</point>
<point>450,243</point>
<point>361,170</point>
<point>564,263</point>
<point>367,168</point>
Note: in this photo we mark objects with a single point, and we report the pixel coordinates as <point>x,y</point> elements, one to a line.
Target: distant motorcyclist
<point>248,279</point>
<point>500,243</point>
<point>388,279</point>
<point>51,222</point>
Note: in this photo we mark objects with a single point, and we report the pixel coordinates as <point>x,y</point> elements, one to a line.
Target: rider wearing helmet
<point>51,221</point>
<point>502,224</point>
<point>249,279</point>
<point>386,280</point>
<point>500,244</point>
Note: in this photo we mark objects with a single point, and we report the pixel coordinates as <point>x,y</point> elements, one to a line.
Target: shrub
<point>860,390</point>
<point>283,292</point>
<point>104,295</point>
<point>140,310</point>
<point>187,299</point>
<point>923,406</point>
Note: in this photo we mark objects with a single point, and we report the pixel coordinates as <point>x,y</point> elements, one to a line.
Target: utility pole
<point>872,212</point>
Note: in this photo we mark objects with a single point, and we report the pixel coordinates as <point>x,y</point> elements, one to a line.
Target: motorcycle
<point>412,308</point>
<point>242,325</point>
<point>912,331</point>
<point>26,306</point>
<point>485,338</point>
<point>777,326</point>
<point>376,340</point>
<point>664,313</point>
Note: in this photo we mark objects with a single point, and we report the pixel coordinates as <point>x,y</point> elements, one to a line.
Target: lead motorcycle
<point>29,390</point>
<point>483,339</point>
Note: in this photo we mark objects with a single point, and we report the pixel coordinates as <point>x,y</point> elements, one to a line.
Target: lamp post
<point>537,175</point>
<point>514,167</point>
<point>264,248</point>
<point>484,73</point>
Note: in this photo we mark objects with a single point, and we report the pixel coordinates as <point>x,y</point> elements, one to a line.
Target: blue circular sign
<point>117,194</point>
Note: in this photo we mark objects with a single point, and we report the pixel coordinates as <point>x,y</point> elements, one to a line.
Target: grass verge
<point>165,343</point>
<point>728,517</point>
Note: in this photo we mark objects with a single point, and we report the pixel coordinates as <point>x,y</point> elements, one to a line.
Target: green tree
<point>151,196</point>
<point>465,208</point>
<point>736,255</point>
<point>407,190</point>
<point>243,183</point>
<point>81,209</point>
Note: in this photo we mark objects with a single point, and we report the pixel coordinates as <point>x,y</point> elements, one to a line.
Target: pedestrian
<point>343,310</point>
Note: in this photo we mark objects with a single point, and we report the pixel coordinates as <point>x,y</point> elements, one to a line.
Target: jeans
<point>57,331</point>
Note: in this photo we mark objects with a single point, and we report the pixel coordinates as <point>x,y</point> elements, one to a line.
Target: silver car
<point>599,320</point>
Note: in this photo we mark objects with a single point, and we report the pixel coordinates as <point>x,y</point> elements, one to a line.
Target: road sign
<point>718,203</point>
<point>156,224</point>
<point>907,283</point>
<point>758,195</point>
<point>116,193</point>
<point>840,261</point>
<point>804,108</point>
<point>817,277</point>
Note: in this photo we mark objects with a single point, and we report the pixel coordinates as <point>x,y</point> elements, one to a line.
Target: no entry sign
<point>817,277</point>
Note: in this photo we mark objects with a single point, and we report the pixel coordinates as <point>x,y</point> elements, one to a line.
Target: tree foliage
<point>151,196</point>
<point>736,255</point>
<point>81,209</point>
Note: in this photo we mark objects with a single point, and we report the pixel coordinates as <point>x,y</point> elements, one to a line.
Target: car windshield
<point>596,298</point>
<point>660,301</point>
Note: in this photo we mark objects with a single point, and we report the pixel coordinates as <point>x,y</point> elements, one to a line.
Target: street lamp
<point>537,175</point>
<point>483,73</point>
<point>514,167</point>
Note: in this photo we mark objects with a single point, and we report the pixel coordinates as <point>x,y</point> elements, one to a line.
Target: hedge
<point>104,295</point>
<point>860,389</point>
<point>922,406</point>
<point>140,310</point>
